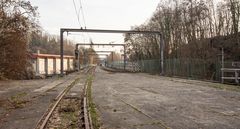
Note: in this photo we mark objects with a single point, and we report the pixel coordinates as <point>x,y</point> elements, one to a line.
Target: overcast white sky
<point>99,14</point>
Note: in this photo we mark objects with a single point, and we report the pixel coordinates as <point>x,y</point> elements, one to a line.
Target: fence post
<point>236,77</point>
<point>222,72</point>
<point>174,66</point>
<point>188,71</point>
<point>162,53</point>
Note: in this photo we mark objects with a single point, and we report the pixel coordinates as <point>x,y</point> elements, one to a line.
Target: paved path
<point>143,101</point>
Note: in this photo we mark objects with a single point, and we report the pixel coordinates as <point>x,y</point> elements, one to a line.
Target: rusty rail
<point>45,118</point>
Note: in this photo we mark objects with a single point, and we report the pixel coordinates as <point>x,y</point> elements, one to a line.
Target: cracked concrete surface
<point>141,101</point>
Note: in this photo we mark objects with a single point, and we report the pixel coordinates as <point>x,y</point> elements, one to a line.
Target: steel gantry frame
<point>62,30</point>
<point>101,44</point>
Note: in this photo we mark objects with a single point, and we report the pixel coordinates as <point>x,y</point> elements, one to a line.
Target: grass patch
<point>220,86</point>
<point>226,87</point>
<point>69,114</point>
<point>91,106</point>
<point>18,100</point>
<point>71,117</point>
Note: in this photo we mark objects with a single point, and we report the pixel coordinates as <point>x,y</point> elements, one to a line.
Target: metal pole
<point>61,50</point>
<point>77,57</point>
<point>84,58</point>
<point>124,57</point>
<point>162,54</point>
<point>79,67</point>
<point>222,65</point>
<point>112,60</point>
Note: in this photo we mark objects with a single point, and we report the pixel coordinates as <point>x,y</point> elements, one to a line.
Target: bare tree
<point>17,20</point>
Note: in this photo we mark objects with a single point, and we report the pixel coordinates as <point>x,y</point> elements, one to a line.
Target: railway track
<point>69,109</point>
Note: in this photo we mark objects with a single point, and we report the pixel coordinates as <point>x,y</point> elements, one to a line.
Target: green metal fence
<point>193,68</point>
<point>150,66</point>
<point>116,64</point>
<point>189,68</point>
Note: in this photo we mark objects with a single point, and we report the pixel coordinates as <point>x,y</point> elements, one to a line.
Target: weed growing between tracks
<point>66,114</point>
<point>92,107</point>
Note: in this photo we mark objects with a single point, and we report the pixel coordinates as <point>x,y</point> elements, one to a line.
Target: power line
<point>78,11</point>
<point>83,17</point>
<point>77,14</point>
<point>82,12</point>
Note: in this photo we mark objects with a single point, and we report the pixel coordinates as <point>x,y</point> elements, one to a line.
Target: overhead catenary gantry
<point>99,44</point>
<point>62,30</point>
<point>99,54</point>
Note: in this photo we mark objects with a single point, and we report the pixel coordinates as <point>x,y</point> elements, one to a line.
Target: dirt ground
<point>142,101</point>
<point>22,103</point>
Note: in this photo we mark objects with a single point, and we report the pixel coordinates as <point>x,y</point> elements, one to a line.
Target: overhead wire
<point>77,14</point>
<point>81,10</point>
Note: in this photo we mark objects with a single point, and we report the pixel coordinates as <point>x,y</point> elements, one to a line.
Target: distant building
<point>48,64</point>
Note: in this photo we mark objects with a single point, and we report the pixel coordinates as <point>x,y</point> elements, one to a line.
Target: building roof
<point>36,55</point>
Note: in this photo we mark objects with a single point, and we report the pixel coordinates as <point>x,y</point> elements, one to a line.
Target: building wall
<point>41,66</point>
<point>58,66</point>
<point>65,65</point>
<point>48,66</point>
<point>71,62</point>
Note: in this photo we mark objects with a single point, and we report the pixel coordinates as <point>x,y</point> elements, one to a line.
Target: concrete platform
<point>142,101</point>
<point>38,94</point>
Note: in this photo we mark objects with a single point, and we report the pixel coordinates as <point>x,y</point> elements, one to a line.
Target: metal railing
<point>188,68</point>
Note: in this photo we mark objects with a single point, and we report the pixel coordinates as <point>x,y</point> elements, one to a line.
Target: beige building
<point>47,64</point>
